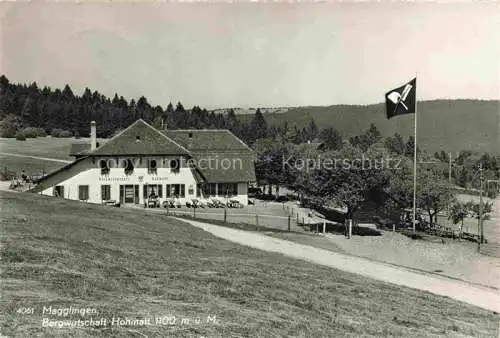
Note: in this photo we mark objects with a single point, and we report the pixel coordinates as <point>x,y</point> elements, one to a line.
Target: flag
<point>401,100</point>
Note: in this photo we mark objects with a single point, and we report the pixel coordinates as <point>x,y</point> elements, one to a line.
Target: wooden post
<point>257,221</point>
<point>350,228</point>
<point>194,212</point>
<point>288,223</point>
<point>324,227</point>
<point>225,214</point>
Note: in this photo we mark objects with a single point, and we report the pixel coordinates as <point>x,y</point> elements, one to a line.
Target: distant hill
<point>245,111</point>
<point>451,125</point>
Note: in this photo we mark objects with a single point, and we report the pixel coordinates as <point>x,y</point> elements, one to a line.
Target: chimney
<point>93,136</point>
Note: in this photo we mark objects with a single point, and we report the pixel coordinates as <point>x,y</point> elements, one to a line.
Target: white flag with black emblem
<point>401,100</point>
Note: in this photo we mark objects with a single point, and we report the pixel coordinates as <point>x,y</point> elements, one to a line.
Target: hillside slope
<point>451,125</point>
<point>138,265</point>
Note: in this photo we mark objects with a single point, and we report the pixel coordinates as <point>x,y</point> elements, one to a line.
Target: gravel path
<point>479,296</point>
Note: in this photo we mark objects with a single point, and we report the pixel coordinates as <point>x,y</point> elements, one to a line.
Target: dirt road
<point>482,297</point>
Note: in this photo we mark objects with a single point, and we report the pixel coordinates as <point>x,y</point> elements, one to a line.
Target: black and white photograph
<point>250,168</point>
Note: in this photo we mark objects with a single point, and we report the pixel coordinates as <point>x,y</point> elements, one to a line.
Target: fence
<point>284,223</point>
<point>279,216</point>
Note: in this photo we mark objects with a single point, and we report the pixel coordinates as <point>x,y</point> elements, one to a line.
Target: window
<point>129,167</point>
<point>103,164</point>
<point>207,190</point>
<point>105,192</point>
<point>176,190</point>
<point>175,166</point>
<point>152,191</point>
<point>58,191</point>
<point>152,165</point>
<point>228,189</point>
<point>83,192</point>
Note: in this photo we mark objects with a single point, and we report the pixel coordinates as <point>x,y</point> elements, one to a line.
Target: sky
<point>219,55</point>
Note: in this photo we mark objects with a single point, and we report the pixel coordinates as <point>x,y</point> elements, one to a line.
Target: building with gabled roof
<point>142,162</point>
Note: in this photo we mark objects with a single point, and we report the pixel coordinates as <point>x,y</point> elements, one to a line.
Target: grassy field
<point>56,148</point>
<point>31,166</point>
<point>134,264</point>
<point>41,146</point>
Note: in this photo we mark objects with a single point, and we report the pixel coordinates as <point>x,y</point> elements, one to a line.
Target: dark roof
<point>220,155</point>
<point>140,138</point>
<point>211,149</point>
<point>226,166</point>
<point>207,140</point>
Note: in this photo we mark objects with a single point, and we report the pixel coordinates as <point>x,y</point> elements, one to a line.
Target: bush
<point>9,126</point>
<point>56,132</point>
<point>66,133</point>
<point>32,132</point>
<point>7,132</point>
<point>20,136</point>
<point>40,132</point>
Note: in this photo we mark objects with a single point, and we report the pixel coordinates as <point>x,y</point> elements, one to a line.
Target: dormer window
<point>129,167</point>
<point>175,165</point>
<point>152,165</point>
<point>103,164</point>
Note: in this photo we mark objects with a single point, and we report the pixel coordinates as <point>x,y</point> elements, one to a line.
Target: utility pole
<point>449,183</point>
<point>481,201</point>
<point>449,168</point>
<point>480,221</point>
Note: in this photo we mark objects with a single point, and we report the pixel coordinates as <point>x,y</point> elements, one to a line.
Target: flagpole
<point>415,166</point>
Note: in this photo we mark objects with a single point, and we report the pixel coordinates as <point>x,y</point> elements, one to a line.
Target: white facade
<point>129,188</point>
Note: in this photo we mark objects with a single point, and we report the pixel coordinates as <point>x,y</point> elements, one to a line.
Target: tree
<point>179,108</point>
<point>475,207</point>
<point>366,140</point>
<point>270,166</point>
<point>258,126</point>
<point>434,194</point>
<point>457,213</point>
<point>331,139</point>
<point>312,131</point>
<point>347,180</point>
<point>395,144</point>
<point>4,82</point>
<point>410,147</point>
